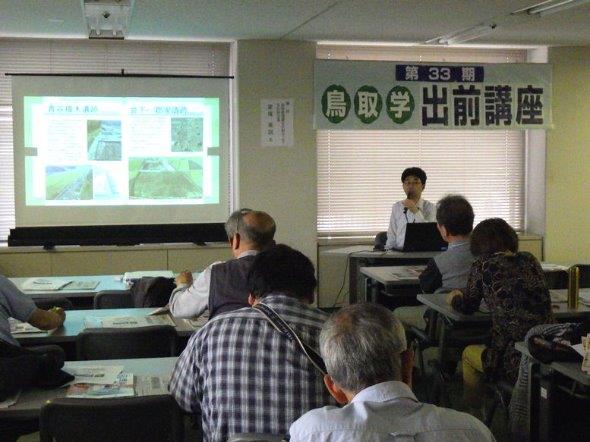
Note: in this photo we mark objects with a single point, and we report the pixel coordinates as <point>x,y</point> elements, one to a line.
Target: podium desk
<point>30,402</point>
<point>364,256</point>
<point>75,323</point>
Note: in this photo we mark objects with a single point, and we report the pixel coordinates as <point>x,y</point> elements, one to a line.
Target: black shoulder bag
<point>282,327</point>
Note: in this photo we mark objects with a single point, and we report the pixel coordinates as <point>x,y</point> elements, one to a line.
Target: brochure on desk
<point>100,382</point>
<point>44,284</point>
<point>127,321</point>
<point>24,328</point>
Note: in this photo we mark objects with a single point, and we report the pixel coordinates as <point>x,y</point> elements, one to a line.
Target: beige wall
<point>281,181</point>
<point>108,260</point>
<point>567,236</point>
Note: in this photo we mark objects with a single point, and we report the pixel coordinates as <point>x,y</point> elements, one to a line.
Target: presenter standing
<point>411,210</point>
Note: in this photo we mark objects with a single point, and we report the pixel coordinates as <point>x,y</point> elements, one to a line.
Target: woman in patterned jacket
<point>513,286</point>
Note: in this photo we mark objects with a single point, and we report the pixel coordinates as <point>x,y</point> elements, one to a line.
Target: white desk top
<point>572,370</point>
<point>30,402</point>
<point>366,251</point>
<point>394,275</point>
<point>438,302</point>
<point>105,282</point>
<point>74,324</point>
<point>408,274</point>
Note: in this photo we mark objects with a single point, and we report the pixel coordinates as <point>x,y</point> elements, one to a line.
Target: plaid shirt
<point>245,377</point>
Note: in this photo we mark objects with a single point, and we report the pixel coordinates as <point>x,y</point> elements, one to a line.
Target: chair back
<point>152,291</point>
<point>145,418</point>
<point>113,299</point>
<point>380,241</point>
<point>47,303</point>
<point>124,343</point>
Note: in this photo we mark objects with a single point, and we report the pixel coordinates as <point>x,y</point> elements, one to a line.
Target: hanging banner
<point>390,95</point>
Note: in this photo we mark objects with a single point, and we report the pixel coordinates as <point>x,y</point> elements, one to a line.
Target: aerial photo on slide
<point>165,178</point>
<point>187,134</point>
<point>104,140</point>
<point>68,182</point>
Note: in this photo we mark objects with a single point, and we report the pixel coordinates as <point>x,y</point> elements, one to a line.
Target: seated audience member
<point>449,270</point>
<point>513,287</point>
<point>240,373</point>
<point>221,287</point>
<point>411,210</point>
<point>22,368</point>
<point>361,350</point>
<point>15,304</point>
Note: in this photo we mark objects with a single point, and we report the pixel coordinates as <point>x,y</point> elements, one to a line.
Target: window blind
<point>359,172</point>
<point>85,56</point>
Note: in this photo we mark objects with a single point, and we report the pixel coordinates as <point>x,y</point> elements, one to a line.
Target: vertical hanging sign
<point>276,122</point>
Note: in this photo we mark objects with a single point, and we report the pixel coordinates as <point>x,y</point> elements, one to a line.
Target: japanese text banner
<point>391,95</point>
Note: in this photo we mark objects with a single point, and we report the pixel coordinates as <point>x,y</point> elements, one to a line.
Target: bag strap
<point>282,327</point>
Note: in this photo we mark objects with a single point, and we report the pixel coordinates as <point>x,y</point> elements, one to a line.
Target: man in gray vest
<point>222,287</point>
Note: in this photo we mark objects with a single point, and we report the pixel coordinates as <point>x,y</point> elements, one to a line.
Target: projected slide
<point>95,151</point>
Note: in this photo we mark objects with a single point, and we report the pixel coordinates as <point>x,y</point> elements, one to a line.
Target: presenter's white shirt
<point>396,234</point>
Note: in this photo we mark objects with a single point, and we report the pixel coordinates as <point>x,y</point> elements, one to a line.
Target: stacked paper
<point>17,327</point>
<point>98,382</point>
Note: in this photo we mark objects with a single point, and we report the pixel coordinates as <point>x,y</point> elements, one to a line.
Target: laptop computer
<point>423,237</point>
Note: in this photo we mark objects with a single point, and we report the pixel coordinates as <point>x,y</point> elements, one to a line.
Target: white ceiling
<point>409,21</point>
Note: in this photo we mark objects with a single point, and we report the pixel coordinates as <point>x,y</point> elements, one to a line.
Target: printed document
<point>95,374</point>
<point>44,284</point>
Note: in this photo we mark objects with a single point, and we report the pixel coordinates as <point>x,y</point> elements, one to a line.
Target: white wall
<point>281,181</point>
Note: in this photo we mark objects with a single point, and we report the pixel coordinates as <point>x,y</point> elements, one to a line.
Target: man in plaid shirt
<point>239,372</point>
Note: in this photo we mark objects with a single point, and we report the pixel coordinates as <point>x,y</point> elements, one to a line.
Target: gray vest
<point>228,288</point>
<point>454,266</point>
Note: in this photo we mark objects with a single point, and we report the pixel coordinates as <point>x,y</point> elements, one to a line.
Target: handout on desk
<point>45,284</point>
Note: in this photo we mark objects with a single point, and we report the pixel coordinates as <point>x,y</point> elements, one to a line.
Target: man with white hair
<point>361,347</point>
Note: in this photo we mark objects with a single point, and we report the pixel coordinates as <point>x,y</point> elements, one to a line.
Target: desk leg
<point>533,400</point>
<point>442,398</point>
<point>353,274</point>
<point>369,289</point>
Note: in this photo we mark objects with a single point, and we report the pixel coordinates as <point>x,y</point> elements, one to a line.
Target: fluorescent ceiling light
<point>550,7</point>
<point>464,35</point>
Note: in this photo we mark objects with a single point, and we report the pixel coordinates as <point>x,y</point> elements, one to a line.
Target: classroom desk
<point>452,319</point>
<point>105,282</point>
<point>30,402</point>
<point>389,277</point>
<point>407,275</point>
<point>74,324</point>
<point>364,256</point>
<point>553,392</point>
<point>438,303</point>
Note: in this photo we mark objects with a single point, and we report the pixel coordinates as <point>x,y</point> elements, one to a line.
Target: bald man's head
<point>254,227</point>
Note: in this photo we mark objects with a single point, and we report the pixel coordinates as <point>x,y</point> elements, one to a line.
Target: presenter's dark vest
<point>228,288</point>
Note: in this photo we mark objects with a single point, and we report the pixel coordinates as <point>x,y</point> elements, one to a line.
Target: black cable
<point>346,272</point>
<point>343,280</point>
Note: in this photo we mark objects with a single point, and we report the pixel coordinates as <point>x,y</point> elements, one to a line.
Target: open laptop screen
<point>423,237</point>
